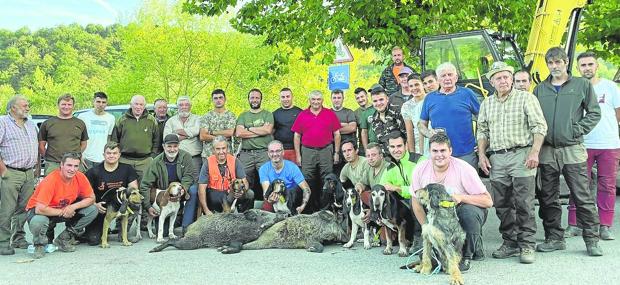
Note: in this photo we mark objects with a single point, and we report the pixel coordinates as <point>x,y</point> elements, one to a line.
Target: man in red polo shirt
<point>317,134</point>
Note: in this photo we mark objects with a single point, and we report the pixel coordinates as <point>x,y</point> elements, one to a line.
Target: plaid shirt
<point>511,121</point>
<point>18,145</point>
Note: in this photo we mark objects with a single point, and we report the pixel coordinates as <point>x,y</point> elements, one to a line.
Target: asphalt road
<point>336,265</point>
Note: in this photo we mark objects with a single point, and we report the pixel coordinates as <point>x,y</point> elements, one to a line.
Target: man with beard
<point>365,135</point>
<point>217,122</point>
<point>254,127</point>
<point>410,111</point>
<point>99,125</point>
<point>187,127</point>
<point>18,146</point>
<point>385,120</point>
<point>389,76</point>
<point>283,119</point>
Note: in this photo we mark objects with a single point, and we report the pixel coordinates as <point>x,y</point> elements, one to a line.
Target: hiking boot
<point>64,242</point>
<point>6,249</point>
<point>464,264</point>
<point>594,249</point>
<point>505,251</point>
<point>39,251</point>
<point>528,256</point>
<point>573,231</point>
<point>551,245</point>
<point>21,244</point>
<point>605,233</point>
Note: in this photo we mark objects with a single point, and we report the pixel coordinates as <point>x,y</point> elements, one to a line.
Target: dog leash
<point>435,271</point>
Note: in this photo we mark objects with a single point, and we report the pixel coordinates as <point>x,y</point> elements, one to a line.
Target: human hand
<point>300,209</point>
<point>484,163</point>
<point>532,160</point>
<point>101,208</point>
<point>153,212</point>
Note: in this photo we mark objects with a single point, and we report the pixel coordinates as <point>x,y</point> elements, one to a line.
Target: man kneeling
<point>64,196</point>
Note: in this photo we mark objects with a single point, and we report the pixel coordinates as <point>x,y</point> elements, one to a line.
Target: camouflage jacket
<point>393,122</point>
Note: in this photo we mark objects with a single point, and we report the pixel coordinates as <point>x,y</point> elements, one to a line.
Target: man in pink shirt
<point>462,182</point>
<point>317,134</point>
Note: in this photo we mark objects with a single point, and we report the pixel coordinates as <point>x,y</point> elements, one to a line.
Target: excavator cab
<point>473,53</point>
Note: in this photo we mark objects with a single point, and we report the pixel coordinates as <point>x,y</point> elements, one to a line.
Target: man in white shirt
<point>99,125</point>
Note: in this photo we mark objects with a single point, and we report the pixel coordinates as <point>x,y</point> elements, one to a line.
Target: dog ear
<point>339,190</point>
<point>357,208</point>
<point>435,198</point>
<point>165,199</point>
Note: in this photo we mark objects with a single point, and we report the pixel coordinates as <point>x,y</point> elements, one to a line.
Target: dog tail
<point>162,246</point>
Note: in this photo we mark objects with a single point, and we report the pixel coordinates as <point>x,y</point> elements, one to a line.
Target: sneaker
<point>528,256</point>
<point>21,244</point>
<point>594,249</point>
<point>6,249</point>
<point>464,264</point>
<point>605,233</point>
<point>39,252</point>
<point>551,245</point>
<point>505,251</point>
<point>64,242</point>
<point>573,231</point>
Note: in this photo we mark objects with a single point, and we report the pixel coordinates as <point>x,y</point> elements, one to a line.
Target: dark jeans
<point>550,211</point>
<point>313,162</point>
<point>471,218</point>
<point>215,199</point>
<point>514,205</point>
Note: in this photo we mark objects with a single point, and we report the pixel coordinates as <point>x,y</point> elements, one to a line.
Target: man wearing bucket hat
<point>511,130</point>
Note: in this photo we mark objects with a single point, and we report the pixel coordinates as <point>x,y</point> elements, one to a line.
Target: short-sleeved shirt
<point>55,193</point>
<point>346,115</point>
<point>283,120</point>
<point>605,133</point>
<point>204,171</point>
<point>461,178</point>
<point>98,127</point>
<point>354,173</point>
<point>249,120</point>
<point>290,174</point>
<point>316,130</point>
<point>102,180</point>
<point>363,115</point>
<point>215,121</point>
<point>62,136</point>
<point>453,112</point>
<point>372,178</point>
<point>411,111</point>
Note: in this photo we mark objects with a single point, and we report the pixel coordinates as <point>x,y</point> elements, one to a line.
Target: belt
<point>317,147</point>
<point>506,150</point>
<point>254,150</point>
<point>20,169</point>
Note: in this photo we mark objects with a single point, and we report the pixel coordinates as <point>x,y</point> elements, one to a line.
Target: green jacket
<point>399,173</point>
<point>570,113</point>
<point>138,138</point>
<point>156,176</point>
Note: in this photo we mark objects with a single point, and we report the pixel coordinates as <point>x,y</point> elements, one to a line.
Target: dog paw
<point>347,245</point>
<point>127,243</point>
<point>135,239</point>
<point>173,236</point>
<point>376,244</point>
<point>152,236</point>
<point>424,269</point>
<point>403,252</point>
<point>367,245</point>
<point>104,245</point>
<point>387,251</point>
<point>161,240</point>
<point>457,281</point>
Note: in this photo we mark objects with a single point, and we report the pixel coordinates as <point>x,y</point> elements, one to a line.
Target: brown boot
<point>6,248</point>
<point>64,241</point>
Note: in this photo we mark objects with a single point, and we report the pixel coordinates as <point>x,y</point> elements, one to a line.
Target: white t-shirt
<point>605,134</point>
<point>98,128</point>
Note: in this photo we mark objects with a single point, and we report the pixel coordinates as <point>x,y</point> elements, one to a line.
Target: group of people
<point>413,129</point>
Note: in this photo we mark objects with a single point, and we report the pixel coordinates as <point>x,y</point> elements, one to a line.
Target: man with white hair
<point>451,109</point>
<point>187,127</point>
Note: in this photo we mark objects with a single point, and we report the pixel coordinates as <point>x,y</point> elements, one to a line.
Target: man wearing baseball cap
<point>511,130</point>
<point>398,98</point>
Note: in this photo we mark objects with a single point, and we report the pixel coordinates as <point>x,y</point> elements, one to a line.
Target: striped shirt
<point>18,145</point>
<point>510,121</point>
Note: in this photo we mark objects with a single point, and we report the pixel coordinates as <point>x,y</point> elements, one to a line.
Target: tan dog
<point>124,204</point>
<point>237,188</point>
<point>167,204</point>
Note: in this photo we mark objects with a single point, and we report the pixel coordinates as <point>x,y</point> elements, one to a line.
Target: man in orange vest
<point>216,177</point>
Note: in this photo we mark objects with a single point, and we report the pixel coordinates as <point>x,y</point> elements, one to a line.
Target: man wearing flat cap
<point>511,130</point>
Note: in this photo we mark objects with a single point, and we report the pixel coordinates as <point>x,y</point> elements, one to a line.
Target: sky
<point>36,14</point>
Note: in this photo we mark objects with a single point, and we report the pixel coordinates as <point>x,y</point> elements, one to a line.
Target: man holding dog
<point>105,178</point>
<point>511,129</point>
<point>470,197</point>
<point>287,171</point>
<point>64,196</point>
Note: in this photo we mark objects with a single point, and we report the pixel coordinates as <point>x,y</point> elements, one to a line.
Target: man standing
<point>64,196</point>
<point>603,147</point>
<point>471,198</point>
<point>511,128</point>
<point>410,111</point>
<point>137,133</point>
<point>389,76</point>
<point>452,108</point>
<point>385,120</point>
<point>105,178</point>
<point>18,146</point>
<point>254,127</point>
<point>99,125</point>
<point>160,107</point>
<point>522,80</point>
<point>571,111</point>
<point>348,124</point>
<point>283,119</point>
<point>287,171</point>
<point>429,81</point>
<point>187,127</point>
<point>61,134</point>
<point>317,134</point>
<point>217,122</point>
<point>366,135</point>
<point>398,98</point>
<point>216,176</point>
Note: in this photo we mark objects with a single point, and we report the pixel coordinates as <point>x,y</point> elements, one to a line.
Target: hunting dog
<point>354,208</point>
<point>442,233</point>
<point>237,187</point>
<point>285,200</point>
<point>167,203</point>
<point>392,213</point>
<point>332,194</point>
<point>125,203</point>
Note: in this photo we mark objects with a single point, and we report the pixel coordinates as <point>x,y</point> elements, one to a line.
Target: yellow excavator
<point>474,52</point>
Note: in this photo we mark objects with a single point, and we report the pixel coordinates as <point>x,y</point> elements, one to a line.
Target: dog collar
<point>447,204</point>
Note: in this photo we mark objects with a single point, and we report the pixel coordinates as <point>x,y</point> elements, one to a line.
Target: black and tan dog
<point>124,204</point>
<point>285,200</point>
<point>332,194</point>
<point>442,233</point>
<point>386,209</point>
<point>237,187</point>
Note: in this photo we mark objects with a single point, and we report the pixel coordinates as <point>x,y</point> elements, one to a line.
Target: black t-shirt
<point>102,180</point>
<point>283,120</point>
<point>171,166</point>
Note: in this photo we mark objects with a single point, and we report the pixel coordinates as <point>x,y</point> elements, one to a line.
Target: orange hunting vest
<point>216,180</point>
